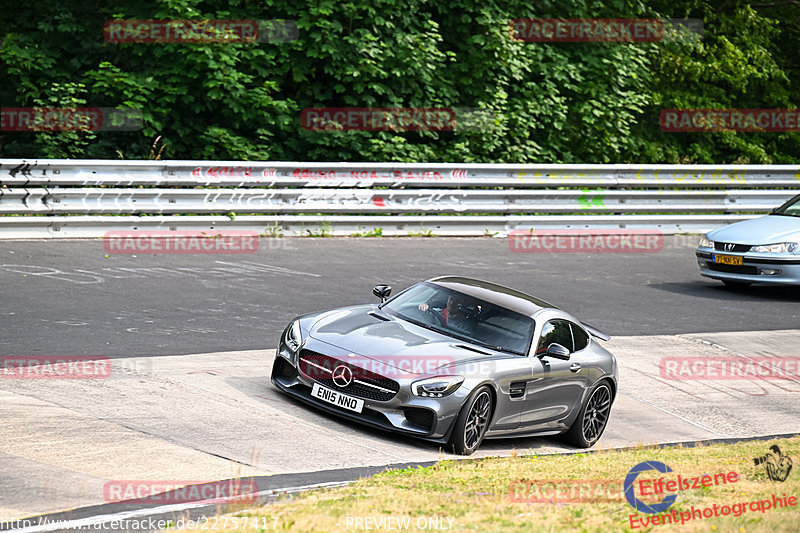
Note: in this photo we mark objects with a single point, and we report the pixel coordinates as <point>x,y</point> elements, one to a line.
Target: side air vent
<point>517,389</point>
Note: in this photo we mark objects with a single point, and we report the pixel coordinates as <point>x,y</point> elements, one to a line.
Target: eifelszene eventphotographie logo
<point>777,465</point>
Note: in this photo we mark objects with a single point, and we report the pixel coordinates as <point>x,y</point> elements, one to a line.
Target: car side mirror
<point>557,351</point>
<point>382,292</point>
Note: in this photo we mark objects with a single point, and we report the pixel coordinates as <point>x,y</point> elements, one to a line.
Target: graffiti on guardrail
<point>227,198</point>
<point>617,178</point>
<point>592,199</point>
<point>310,174</point>
<point>229,172</point>
<point>388,200</point>
<point>23,169</point>
<point>220,172</point>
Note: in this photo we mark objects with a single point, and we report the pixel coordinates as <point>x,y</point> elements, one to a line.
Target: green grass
<point>475,495</point>
<point>375,232</point>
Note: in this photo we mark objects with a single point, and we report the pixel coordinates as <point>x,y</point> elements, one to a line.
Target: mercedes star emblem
<point>342,376</point>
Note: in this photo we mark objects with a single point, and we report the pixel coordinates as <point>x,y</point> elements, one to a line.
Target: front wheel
<point>472,423</point>
<point>592,419</point>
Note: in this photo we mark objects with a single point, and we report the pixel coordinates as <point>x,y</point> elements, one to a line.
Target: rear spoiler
<point>597,333</point>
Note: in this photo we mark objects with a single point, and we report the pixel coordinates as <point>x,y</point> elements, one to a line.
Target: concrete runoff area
<point>206,417</point>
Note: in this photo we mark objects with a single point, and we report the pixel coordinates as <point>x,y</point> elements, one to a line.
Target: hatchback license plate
<point>337,398</point>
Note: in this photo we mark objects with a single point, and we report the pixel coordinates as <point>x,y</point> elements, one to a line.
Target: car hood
<point>394,342</point>
<point>763,230</point>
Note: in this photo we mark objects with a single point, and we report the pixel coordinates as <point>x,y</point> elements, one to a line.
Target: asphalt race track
<point>66,297</point>
<point>191,340</point>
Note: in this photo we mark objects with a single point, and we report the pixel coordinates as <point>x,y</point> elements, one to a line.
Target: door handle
<point>574,367</point>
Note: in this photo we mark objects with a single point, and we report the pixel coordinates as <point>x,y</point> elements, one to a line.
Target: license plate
<point>727,259</point>
<point>337,398</point>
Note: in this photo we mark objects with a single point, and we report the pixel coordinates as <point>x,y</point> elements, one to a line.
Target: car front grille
<point>365,384</point>
<point>741,248</point>
<point>733,269</point>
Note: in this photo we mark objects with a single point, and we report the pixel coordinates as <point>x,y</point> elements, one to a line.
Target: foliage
<point>547,102</point>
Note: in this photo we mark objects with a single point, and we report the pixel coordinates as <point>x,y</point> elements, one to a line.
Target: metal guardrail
<point>287,198</point>
<point>376,201</point>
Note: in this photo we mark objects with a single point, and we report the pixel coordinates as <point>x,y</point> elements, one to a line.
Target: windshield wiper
<point>476,341</point>
<point>785,215</point>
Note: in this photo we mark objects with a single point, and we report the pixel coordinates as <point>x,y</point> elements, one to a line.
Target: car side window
<point>555,331</point>
<point>579,336</point>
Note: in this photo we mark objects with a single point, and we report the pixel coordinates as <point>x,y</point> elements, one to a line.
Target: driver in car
<point>452,316</point>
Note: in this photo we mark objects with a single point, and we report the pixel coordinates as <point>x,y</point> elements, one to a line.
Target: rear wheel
<point>591,421</point>
<point>472,423</point>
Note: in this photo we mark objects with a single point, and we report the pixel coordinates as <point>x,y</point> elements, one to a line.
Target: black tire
<point>736,284</point>
<point>592,420</point>
<point>472,422</point>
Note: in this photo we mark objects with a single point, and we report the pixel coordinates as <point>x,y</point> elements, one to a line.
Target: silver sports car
<point>759,250</point>
<point>453,360</point>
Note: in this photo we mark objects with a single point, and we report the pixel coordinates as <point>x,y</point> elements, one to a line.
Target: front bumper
<point>427,418</point>
<point>755,268</point>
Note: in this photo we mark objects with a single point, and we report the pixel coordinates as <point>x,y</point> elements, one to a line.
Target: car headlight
<point>436,387</point>
<point>705,243</point>
<point>779,248</point>
<point>294,337</point>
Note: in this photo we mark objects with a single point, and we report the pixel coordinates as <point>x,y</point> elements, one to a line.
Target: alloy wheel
<point>596,414</point>
<point>477,420</point>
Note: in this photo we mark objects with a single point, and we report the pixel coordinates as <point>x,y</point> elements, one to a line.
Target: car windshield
<point>790,208</point>
<point>463,317</point>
